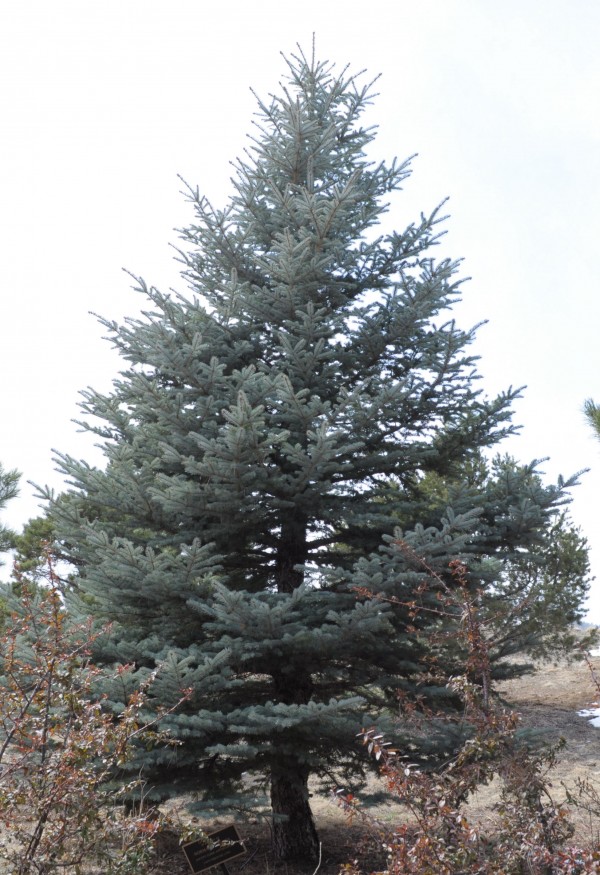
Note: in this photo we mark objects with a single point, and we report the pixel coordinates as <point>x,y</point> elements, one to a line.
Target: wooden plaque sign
<point>216,849</point>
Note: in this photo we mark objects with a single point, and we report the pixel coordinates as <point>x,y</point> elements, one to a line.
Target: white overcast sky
<point>102,104</point>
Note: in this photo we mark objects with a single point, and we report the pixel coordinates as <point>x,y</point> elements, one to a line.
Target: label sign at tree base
<point>215,850</point>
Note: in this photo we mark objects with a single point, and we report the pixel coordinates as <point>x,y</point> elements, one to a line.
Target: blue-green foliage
<point>9,488</point>
<point>271,429</point>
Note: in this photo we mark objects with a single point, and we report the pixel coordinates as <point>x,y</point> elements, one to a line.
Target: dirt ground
<point>547,702</point>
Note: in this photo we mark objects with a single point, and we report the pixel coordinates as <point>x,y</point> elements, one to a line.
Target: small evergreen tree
<point>592,414</point>
<point>268,433</point>
<point>31,544</point>
<point>538,595</point>
<point>9,488</point>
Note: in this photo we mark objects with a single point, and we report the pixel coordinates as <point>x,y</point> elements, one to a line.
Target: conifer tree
<point>268,433</point>
<point>538,595</point>
<point>9,488</point>
<point>592,414</point>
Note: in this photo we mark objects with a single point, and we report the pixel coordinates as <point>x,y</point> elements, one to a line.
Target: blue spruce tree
<point>270,430</point>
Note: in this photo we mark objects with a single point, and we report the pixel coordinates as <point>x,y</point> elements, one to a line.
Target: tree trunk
<point>291,552</point>
<point>294,833</point>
